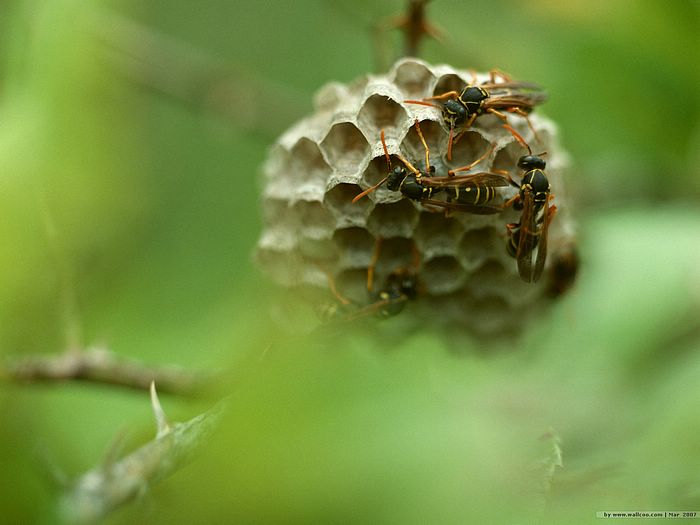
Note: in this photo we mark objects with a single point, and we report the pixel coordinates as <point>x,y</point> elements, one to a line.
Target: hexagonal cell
<point>316,275</point>
<point>471,221</point>
<point>282,265</point>
<point>330,96</point>
<point>395,219</point>
<point>354,247</point>
<point>451,82</point>
<point>450,306</point>
<point>488,316</point>
<point>476,246</point>
<point>277,211</point>
<point>338,201</point>
<point>380,112</point>
<point>393,254</point>
<point>307,163</point>
<point>352,284</point>
<point>413,79</point>
<point>345,147</point>
<point>470,146</point>
<point>358,85</point>
<point>442,275</point>
<point>376,171</point>
<point>507,159</point>
<point>435,139</point>
<point>316,248</point>
<point>437,235</point>
<point>492,271</point>
<point>281,226</point>
<point>314,219</point>
<point>277,162</point>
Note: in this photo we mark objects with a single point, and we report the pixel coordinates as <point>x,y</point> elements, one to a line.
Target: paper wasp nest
<point>313,230</point>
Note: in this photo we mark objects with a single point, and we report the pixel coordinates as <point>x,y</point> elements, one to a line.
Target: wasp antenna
<point>449,143</point>
<point>422,103</point>
<point>410,166</point>
<point>518,137</point>
<point>333,288</point>
<point>371,267</point>
<point>386,152</point>
<point>369,190</point>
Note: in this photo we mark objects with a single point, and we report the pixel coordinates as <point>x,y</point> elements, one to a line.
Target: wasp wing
<point>483,178</point>
<point>547,215</point>
<point>477,209</point>
<point>528,238</point>
<point>511,85</point>
<point>526,101</point>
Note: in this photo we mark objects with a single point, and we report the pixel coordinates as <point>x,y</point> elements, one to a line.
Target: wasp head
<point>454,113</point>
<point>531,162</point>
<point>395,178</point>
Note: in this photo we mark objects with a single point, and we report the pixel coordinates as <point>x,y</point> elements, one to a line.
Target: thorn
<point>161,420</point>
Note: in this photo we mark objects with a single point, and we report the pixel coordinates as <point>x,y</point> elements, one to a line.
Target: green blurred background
<point>129,209</point>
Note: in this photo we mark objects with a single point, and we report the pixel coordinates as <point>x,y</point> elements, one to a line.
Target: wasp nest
<point>315,236</point>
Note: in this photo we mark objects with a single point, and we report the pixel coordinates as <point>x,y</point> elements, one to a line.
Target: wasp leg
<point>523,114</point>
<point>512,200</point>
<point>425,145</point>
<point>444,96</point>
<point>373,263</point>
<point>334,289</point>
<point>498,114</point>
<point>454,139</point>
<point>477,161</point>
<point>495,73</point>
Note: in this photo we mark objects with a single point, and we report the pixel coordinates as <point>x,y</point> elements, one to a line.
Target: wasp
<point>473,193</point>
<point>461,109</point>
<point>532,200</point>
<point>400,287</point>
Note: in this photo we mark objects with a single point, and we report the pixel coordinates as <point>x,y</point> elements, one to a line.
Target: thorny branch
<point>98,365</point>
<point>101,490</point>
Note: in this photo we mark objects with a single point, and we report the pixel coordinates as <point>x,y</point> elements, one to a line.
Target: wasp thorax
<point>472,97</point>
<point>537,180</point>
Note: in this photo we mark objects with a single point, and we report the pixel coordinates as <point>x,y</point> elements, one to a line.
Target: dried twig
<point>98,492</point>
<point>98,365</point>
<point>415,27</point>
